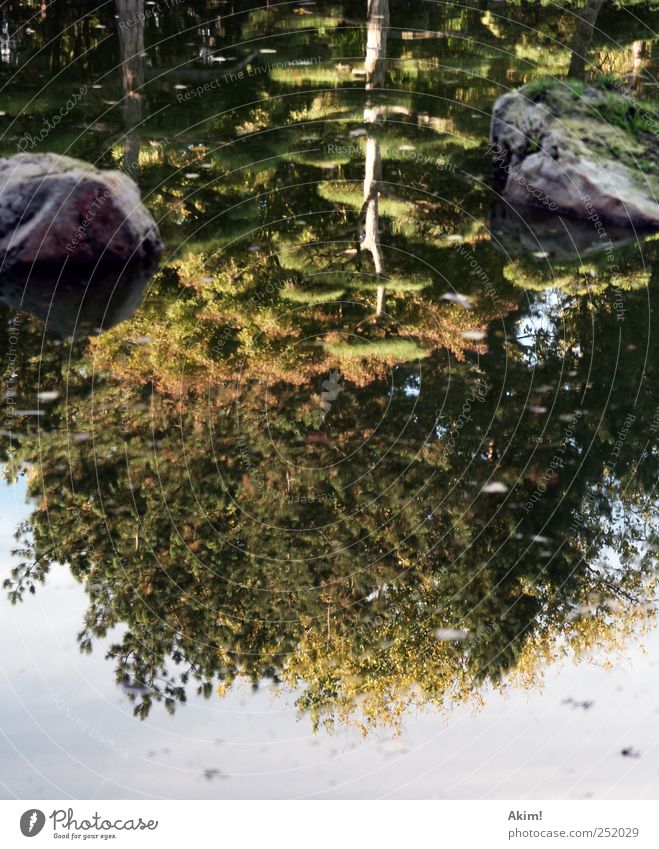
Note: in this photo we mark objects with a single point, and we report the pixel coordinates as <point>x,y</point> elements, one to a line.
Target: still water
<point>356,495</point>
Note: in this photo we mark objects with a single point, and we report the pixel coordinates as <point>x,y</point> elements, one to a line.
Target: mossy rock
<point>586,151</point>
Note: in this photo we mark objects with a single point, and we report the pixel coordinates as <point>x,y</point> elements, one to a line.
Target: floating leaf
<point>447,634</point>
<point>495,487</point>
<point>463,300</point>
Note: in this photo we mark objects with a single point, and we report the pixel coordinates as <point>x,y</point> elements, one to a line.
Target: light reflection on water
<point>360,407</point>
<point>67,731</point>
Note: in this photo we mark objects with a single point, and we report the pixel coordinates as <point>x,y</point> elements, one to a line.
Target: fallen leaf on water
<point>630,752</point>
<point>495,487</point>
<point>463,300</point>
<point>451,634</point>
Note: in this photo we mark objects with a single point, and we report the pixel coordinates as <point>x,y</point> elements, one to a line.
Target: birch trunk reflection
<point>375,65</point>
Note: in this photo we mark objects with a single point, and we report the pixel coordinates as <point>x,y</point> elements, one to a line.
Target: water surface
<point>371,454</point>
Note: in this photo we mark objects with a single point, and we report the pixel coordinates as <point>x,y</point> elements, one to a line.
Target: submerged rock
<point>587,152</point>
<point>521,233</point>
<point>55,208</point>
<point>77,305</point>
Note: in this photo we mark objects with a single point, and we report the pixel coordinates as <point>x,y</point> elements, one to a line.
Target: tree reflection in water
<point>477,502</point>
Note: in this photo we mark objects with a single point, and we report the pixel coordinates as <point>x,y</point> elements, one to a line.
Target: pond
<point>355,496</point>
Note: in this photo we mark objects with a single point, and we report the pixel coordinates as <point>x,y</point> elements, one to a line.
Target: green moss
<point>313,296</point>
<point>352,194</point>
<point>575,87</point>
<point>607,100</point>
<point>626,114</point>
<point>537,89</point>
<point>389,350</point>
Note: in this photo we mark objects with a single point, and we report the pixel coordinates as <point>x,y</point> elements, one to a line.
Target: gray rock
<point>559,153</point>
<point>54,208</point>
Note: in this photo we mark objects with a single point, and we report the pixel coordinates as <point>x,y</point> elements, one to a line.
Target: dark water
<point>371,434</point>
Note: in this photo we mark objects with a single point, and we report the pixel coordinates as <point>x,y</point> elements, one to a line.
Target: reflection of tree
<point>54,19</point>
<point>131,48</point>
<point>639,49</point>
<point>582,38</point>
<point>377,25</point>
<point>264,554</point>
<point>376,52</point>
